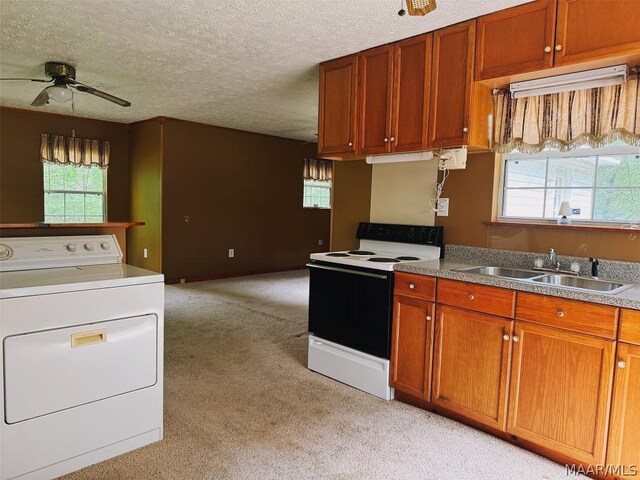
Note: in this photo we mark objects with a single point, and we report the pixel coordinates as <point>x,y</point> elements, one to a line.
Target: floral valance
<point>564,121</point>
<point>317,169</point>
<point>76,151</point>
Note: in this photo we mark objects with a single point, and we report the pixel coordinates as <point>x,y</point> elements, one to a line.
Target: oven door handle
<point>345,270</point>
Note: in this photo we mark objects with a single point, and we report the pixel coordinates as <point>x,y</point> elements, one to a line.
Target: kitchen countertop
<point>628,298</point>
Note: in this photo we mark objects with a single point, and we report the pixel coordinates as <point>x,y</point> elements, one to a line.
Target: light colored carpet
<point>241,404</point>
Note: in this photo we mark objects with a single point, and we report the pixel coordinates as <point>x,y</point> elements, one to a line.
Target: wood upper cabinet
<point>394,96</point>
<point>560,391</point>
<point>337,110</point>
<point>593,29</point>
<point>548,33</point>
<point>471,364</point>
<point>459,107</point>
<point>376,88</point>
<point>411,90</point>
<point>411,346</point>
<point>624,435</point>
<point>516,40</point>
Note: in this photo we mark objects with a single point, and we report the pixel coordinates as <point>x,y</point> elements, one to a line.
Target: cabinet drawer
<point>590,318</point>
<point>480,298</point>
<point>630,326</point>
<point>418,286</point>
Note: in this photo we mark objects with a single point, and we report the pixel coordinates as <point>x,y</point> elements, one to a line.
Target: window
<point>317,194</point>
<point>73,194</point>
<point>601,185</point>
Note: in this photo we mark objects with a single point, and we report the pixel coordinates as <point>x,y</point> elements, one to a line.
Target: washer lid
<point>71,279</point>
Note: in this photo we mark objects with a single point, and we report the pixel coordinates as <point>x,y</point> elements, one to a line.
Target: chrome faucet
<point>594,267</point>
<point>553,259</point>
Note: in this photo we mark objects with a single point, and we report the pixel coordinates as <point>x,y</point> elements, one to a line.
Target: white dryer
<point>81,354</point>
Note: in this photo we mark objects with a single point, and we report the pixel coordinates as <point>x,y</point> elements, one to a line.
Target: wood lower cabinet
<point>560,391</point>
<point>594,29</point>
<point>471,364</point>
<point>411,346</point>
<point>516,40</point>
<point>624,434</point>
<point>337,109</point>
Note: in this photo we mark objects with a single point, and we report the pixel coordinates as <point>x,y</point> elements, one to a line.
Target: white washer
<point>81,354</point>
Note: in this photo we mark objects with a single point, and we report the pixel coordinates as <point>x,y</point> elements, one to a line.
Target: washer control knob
<point>72,247</point>
<point>88,247</point>
<point>5,251</point>
<point>105,246</point>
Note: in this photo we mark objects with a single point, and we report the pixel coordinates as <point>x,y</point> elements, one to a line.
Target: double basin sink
<point>551,279</point>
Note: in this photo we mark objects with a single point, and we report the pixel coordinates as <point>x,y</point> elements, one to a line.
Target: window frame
<point>330,188</point>
<point>545,154</point>
<point>88,192</point>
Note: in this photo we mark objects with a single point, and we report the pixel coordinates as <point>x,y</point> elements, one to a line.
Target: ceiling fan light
<point>60,93</point>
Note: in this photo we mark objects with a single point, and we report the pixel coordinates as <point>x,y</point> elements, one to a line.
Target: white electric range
<point>81,354</point>
<point>351,302</point>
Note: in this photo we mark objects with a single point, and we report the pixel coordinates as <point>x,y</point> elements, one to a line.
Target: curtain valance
<point>564,121</point>
<point>317,169</point>
<point>76,151</point>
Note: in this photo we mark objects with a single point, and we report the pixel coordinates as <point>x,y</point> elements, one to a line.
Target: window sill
<point>317,208</point>
<point>555,226</point>
<point>72,225</point>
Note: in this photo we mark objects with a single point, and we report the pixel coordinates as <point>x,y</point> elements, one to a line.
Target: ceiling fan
<point>417,7</point>
<point>63,78</point>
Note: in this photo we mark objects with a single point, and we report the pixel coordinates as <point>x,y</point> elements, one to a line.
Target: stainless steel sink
<point>501,272</point>
<point>580,283</point>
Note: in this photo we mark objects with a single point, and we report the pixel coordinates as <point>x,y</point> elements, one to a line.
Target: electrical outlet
<point>145,253</point>
<point>182,280</point>
<point>320,242</point>
<point>443,207</point>
<point>232,253</point>
<point>186,219</point>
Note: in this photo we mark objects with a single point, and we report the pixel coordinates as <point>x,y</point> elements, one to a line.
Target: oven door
<point>351,307</point>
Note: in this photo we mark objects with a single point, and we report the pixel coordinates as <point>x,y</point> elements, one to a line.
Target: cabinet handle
<point>465,129</point>
<point>560,313</point>
<point>558,48</point>
<point>428,318</point>
<point>471,297</point>
<point>351,144</point>
<point>622,364</point>
<point>547,49</point>
<point>516,338</point>
<point>393,138</point>
<point>412,286</point>
<point>506,337</point>
<point>386,140</point>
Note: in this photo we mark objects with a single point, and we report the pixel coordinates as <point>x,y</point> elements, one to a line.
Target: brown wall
<point>240,190</point>
<point>146,194</point>
<point>471,199</point>
<point>351,202</point>
<point>21,189</point>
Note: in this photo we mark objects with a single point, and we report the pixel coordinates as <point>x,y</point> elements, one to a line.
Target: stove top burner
<point>360,252</point>
<point>383,260</point>
<point>338,254</point>
<point>407,258</point>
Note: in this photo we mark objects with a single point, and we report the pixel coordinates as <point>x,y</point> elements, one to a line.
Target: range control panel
<point>31,253</point>
<point>386,232</point>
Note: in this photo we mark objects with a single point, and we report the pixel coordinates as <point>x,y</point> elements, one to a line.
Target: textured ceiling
<point>247,64</point>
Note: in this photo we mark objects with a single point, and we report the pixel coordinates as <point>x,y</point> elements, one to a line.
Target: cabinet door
<point>337,109</point>
<point>411,89</point>
<point>624,436</point>
<point>451,77</point>
<point>594,29</point>
<point>471,364</point>
<point>376,77</point>
<point>411,346</point>
<point>516,40</point>
<point>560,391</point>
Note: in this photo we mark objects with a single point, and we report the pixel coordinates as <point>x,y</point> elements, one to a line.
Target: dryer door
<point>54,370</point>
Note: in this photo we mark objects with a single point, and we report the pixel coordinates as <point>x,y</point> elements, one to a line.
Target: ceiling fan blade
<point>87,89</point>
<point>42,99</point>
<point>29,79</point>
